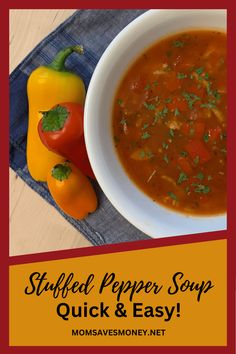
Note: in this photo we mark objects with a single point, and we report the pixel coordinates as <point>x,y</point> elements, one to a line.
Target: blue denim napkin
<point>94,29</point>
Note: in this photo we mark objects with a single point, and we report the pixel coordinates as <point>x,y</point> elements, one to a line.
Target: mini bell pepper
<point>47,86</point>
<point>61,131</point>
<point>71,190</point>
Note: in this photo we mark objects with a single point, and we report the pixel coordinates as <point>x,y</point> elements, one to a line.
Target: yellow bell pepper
<point>46,87</point>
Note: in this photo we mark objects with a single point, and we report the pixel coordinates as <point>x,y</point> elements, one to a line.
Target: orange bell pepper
<point>71,190</point>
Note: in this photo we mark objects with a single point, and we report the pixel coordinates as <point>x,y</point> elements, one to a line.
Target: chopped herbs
<point>147,87</point>
<point>123,121</point>
<point>172,195</point>
<point>176,112</point>
<point>142,153</point>
<point>200,188</point>
<point>146,154</point>
<point>168,100</point>
<point>199,71</point>
<point>149,154</point>
<point>163,112</point>
<point>183,153</point>
<point>156,118</point>
<point>145,135</point>
<point>182,177</point>
<point>178,44</point>
<point>200,176</point>
<point>146,125</point>
<point>216,94</point>
<point>165,158</point>
<point>223,136</point>
<point>206,137</point>
<point>165,146</point>
<point>182,76</point>
<point>208,88</point>
<point>196,160</point>
<point>172,133</point>
<point>120,102</point>
<point>191,99</point>
<point>150,107</point>
<point>209,105</point>
<point>209,178</point>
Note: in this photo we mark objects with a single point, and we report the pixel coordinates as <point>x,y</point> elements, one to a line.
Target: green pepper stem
<point>58,63</point>
<point>61,171</point>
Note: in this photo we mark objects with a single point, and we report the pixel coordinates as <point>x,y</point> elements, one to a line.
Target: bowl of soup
<point>156,122</point>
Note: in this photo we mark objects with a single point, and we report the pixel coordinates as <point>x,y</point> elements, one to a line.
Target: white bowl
<point>151,218</point>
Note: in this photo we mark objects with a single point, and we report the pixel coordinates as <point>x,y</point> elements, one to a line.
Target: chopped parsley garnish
<point>200,188</point>
<point>206,137</point>
<point>209,178</point>
<point>196,160</point>
<point>145,135</point>
<point>200,176</point>
<point>199,71</point>
<point>223,136</point>
<point>150,107</point>
<point>165,158</point>
<point>216,94</point>
<point>155,83</point>
<point>145,126</point>
<point>187,189</point>
<point>156,118</point>
<point>120,102</point>
<point>191,98</point>
<point>172,133</point>
<point>208,88</point>
<point>183,153</point>
<point>165,146</point>
<point>172,195</point>
<point>168,100</point>
<point>178,44</point>
<point>123,121</point>
<point>147,87</point>
<point>149,154</point>
<point>163,112</point>
<point>181,76</point>
<point>209,105</point>
<point>182,177</point>
<point>143,154</point>
<point>176,112</point>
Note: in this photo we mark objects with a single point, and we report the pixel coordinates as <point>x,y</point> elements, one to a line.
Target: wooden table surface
<point>35,226</point>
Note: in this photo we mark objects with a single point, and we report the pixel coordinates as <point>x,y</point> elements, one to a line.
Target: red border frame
<point>4,147</point>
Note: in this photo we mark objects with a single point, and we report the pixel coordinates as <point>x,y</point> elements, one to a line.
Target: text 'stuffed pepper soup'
<point>169,122</point>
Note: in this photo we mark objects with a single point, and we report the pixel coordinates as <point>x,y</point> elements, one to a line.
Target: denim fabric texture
<point>94,29</point>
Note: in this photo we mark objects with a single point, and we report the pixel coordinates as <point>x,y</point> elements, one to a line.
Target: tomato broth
<point>169,122</point>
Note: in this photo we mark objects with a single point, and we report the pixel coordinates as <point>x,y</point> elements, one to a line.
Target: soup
<point>169,122</point>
